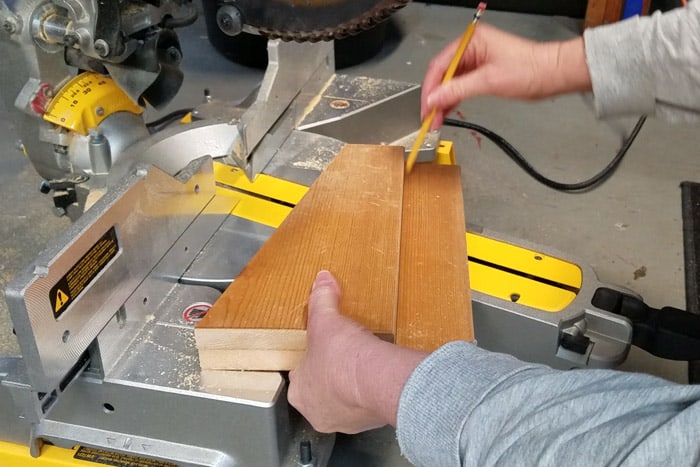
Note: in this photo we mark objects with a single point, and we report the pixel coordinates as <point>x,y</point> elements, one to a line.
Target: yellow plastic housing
<point>86,100</point>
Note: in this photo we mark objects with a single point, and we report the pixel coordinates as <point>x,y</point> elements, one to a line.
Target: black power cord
<point>161,123</point>
<point>519,159</point>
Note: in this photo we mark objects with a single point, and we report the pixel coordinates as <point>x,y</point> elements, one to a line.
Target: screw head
<point>10,25</point>
<point>174,54</point>
<point>229,20</point>
<point>70,39</point>
<point>101,47</point>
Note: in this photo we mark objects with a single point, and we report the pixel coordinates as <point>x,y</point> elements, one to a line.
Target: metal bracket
<point>290,67</point>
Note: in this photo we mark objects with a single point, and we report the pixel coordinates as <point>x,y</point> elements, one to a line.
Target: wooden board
<point>348,222</point>
<point>595,13</point>
<point>396,246</point>
<point>613,11</point>
<point>434,301</point>
<point>248,359</point>
<point>600,12</point>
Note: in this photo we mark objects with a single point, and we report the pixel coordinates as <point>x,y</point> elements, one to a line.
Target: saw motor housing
<point>132,53</point>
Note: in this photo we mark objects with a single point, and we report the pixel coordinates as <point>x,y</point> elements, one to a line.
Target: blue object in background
<point>632,8</point>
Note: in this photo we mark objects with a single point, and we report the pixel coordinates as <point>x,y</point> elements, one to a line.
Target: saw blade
<point>314,20</point>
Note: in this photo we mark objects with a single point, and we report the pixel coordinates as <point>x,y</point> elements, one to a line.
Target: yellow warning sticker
<point>79,277</point>
<point>115,459</point>
<point>61,300</point>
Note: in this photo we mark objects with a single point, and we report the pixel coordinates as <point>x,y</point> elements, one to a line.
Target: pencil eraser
<point>482,6</point>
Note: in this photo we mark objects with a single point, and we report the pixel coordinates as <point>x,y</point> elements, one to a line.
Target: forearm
<point>562,67</point>
<point>647,65</point>
<point>465,406</point>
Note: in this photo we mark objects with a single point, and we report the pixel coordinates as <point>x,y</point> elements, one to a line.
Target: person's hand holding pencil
<point>498,63</point>
<point>449,73</point>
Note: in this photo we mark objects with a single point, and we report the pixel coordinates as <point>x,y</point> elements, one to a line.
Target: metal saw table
<point>496,195</point>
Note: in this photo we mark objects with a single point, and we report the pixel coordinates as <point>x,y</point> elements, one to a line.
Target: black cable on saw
<point>519,159</point>
<point>159,124</point>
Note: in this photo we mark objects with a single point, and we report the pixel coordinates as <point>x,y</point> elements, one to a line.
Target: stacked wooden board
<point>599,12</point>
<point>396,245</point>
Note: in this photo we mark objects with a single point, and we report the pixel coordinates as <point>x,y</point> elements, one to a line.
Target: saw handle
<point>667,332</point>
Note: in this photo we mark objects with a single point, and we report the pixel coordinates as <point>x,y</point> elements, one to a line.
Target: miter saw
<point>79,75</point>
<point>108,371</point>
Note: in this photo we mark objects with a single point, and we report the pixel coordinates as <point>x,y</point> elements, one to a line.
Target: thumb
<point>325,295</point>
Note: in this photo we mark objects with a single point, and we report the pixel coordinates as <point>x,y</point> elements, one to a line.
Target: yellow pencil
<point>466,37</point>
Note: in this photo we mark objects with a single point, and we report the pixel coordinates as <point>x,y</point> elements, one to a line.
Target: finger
<point>450,94</point>
<point>435,73</point>
<point>438,120</point>
<point>325,294</point>
<point>438,66</point>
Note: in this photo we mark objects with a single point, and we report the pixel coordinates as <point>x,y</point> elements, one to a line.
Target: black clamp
<point>577,343</point>
<point>64,193</point>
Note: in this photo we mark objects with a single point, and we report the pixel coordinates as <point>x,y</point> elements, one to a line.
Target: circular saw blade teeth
<point>367,20</point>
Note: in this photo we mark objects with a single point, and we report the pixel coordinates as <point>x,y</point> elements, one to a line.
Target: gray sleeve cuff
<point>441,394</point>
<point>620,73</point>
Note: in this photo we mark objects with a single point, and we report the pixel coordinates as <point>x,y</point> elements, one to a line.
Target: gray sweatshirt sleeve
<point>466,406</point>
<point>648,65</point>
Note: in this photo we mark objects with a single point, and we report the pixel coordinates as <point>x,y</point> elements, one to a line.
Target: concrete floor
<point>630,224</point>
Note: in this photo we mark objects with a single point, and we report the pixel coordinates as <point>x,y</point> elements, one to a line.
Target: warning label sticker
<point>83,272</point>
<point>99,456</point>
